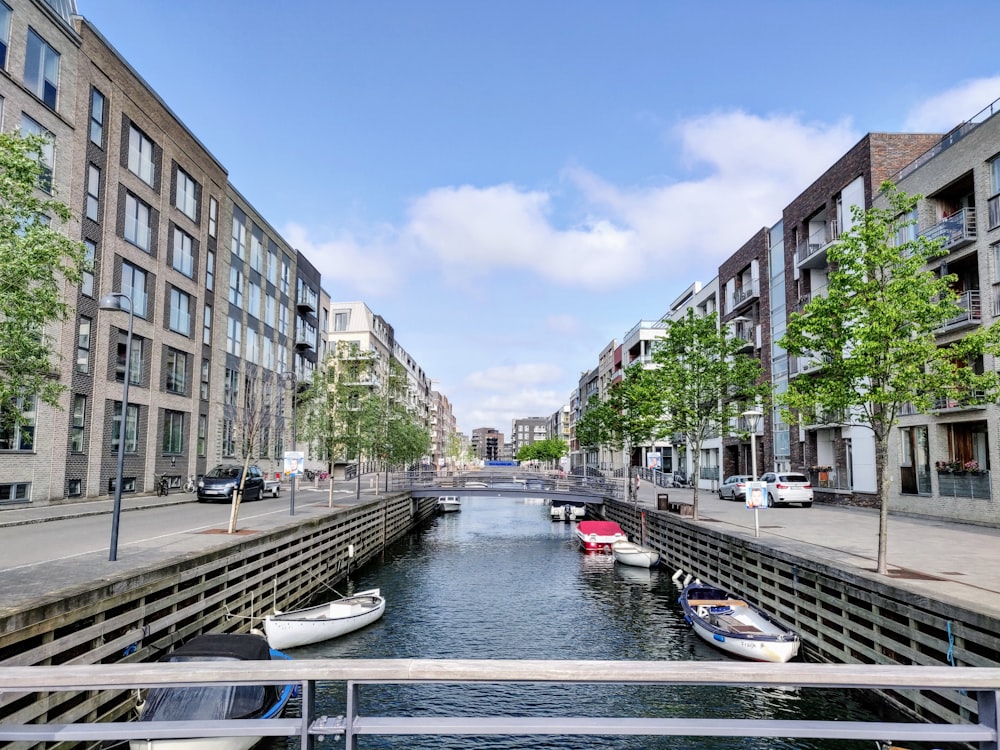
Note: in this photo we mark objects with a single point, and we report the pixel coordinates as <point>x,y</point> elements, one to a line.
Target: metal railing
<point>513,480</point>
<point>979,687</point>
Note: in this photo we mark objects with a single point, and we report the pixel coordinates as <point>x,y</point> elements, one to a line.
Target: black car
<point>221,481</point>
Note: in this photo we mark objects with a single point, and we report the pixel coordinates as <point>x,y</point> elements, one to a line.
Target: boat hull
<point>321,623</point>
<point>197,743</point>
<point>736,627</point>
<point>599,536</point>
<point>449,504</point>
<point>636,555</point>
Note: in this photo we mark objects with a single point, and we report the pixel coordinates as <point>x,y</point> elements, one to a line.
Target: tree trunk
<point>881,471</point>
<point>695,471</point>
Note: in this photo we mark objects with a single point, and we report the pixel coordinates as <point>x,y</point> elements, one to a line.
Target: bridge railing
<point>548,484</point>
<point>979,686</point>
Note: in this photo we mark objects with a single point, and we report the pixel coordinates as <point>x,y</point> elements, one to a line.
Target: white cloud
<point>942,112</point>
<point>509,378</point>
<point>563,325</point>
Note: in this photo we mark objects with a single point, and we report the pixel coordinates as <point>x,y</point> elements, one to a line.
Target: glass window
<point>87,279</point>
<point>180,312</point>
<point>137,230</point>
<point>268,353</point>
<point>206,336</point>
<point>131,428</point>
<point>206,368</point>
<point>140,155</point>
<point>234,336</point>
<point>97,102</point>
<point>134,286</point>
<point>257,249</point>
<point>78,423</point>
<point>283,320</point>
<point>341,321</point>
<point>135,368</point>
<point>183,259</point>
<point>74,487</point>
<point>213,217</point>
<point>4,34</point>
<point>228,438</point>
<point>173,431</point>
<point>83,345</point>
<point>253,347</point>
<point>30,127</point>
<point>14,492</point>
<point>232,387</point>
<point>286,271</point>
<point>270,310</point>
<point>210,270</point>
<point>236,286</point>
<point>176,371</point>
<point>239,239</point>
<point>186,192</point>
<point>272,262</point>
<point>93,192</point>
<point>253,300</point>
<point>41,69</point>
<point>202,434</point>
<point>19,436</point>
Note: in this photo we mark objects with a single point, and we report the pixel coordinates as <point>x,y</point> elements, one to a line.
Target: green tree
<point>36,261</point>
<point>704,381</point>
<point>874,336</point>
<point>550,449</point>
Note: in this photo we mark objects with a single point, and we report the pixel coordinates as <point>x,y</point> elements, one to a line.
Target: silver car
<point>735,487</point>
<point>788,487</point>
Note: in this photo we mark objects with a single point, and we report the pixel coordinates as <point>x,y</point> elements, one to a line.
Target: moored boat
<point>449,503</point>
<point>735,626</point>
<point>637,555</point>
<point>567,511</point>
<point>324,621</point>
<point>599,536</point>
<point>201,703</point>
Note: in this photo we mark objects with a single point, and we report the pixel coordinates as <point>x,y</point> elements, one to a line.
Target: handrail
<point>983,682</point>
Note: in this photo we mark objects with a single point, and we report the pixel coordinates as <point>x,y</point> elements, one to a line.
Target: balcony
<point>970,402</point>
<point>828,478</point>
<point>955,231</point>
<point>970,484</point>
<point>745,294</point>
<point>708,472</point>
<point>971,314</point>
<point>812,252</point>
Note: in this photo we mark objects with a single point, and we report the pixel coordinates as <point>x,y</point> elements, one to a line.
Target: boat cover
<point>601,528</point>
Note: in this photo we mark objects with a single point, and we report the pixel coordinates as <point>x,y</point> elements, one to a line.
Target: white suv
<point>786,487</point>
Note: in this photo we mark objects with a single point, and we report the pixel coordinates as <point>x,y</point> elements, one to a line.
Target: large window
<point>140,155</point>
<point>183,259</point>
<point>134,286</point>
<point>202,434</point>
<point>93,192</point>
<point>253,347</point>
<point>253,299</point>
<point>83,346</point>
<point>341,321</point>
<point>228,438</point>
<point>239,240</point>
<point>87,274</point>
<point>286,273</point>
<point>135,366</point>
<point>231,388</point>
<point>131,428</point>
<point>257,249</point>
<point>19,437</point>
<point>210,270</point>
<point>206,369</point>
<point>173,432</point>
<point>41,69</point>
<point>4,34</point>
<point>180,311</point>
<point>137,227</point>
<point>272,262</point>
<point>176,367</point>
<point>236,286</point>
<point>213,217</point>
<point>77,425</point>
<point>97,102</point>
<point>234,337</point>
<point>206,331</point>
<point>186,198</point>
<point>30,127</point>
<point>15,492</point>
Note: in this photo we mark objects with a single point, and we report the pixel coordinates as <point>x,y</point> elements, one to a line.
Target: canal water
<point>499,580</point>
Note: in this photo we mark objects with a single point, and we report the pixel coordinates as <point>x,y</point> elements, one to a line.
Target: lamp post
<point>753,420</point>
<point>289,377</point>
<point>113,301</point>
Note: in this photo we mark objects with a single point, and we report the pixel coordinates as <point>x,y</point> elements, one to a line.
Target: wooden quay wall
<point>843,616</point>
<point>143,613</point>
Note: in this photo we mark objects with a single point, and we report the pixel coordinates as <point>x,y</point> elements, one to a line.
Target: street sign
<point>756,494</point>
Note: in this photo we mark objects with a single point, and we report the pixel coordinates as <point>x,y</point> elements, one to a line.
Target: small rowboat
<point>320,623</point>
<point>637,555</point>
<point>735,626</point>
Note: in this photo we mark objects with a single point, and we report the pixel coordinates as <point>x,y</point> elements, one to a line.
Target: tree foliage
<point>36,260</point>
<point>875,336</point>
<point>551,449</point>
<point>703,381</point>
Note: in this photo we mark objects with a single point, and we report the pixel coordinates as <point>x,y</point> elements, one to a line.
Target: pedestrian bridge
<point>509,483</point>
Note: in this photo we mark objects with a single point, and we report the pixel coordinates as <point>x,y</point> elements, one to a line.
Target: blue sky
<point>514,184</point>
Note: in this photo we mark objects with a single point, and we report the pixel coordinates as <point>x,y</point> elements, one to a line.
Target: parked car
<point>785,487</point>
<point>218,485</point>
<point>735,487</point>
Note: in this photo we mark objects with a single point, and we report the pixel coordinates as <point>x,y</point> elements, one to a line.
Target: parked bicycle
<point>190,485</point>
<point>162,485</point>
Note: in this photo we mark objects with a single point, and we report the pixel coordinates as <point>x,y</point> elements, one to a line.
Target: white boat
<point>324,621</point>
<point>449,503</point>
<point>637,555</point>
<point>201,703</point>
<point>599,536</point>
<point>735,626</point>
<point>567,511</point>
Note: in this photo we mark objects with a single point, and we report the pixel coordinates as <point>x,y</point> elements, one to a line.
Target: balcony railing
<point>828,478</point>
<point>971,310</point>
<point>956,231</point>
<point>745,293</point>
<point>811,253</point>
<point>975,485</point>
<point>973,400</point>
<point>708,472</point>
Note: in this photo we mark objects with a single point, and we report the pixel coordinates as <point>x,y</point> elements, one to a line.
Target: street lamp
<point>113,301</point>
<point>752,416</point>
<point>289,377</point>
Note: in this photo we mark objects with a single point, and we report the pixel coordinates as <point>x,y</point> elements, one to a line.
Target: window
<point>4,34</point>
<point>93,192</point>
<point>19,436</point>
<point>210,270</point>
<point>239,240</point>
<point>186,199</point>
<point>97,117</point>
<point>236,286</point>
<point>79,419</point>
<point>206,332</point>
<point>137,222</point>
<point>213,217</point>
<point>30,127</point>
<point>15,492</point>
<point>41,69</point>
<point>131,428</point>
<point>253,347</point>
<point>234,336</point>
<point>83,346</point>
<point>286,266</point>
<point>87,277</point>
<point>173,432</point>
<point>176,371</point>
<point>272,262</point>
<point>253,300</point>
<point>135,368</point>
<point>202,434</point>
<point>228,438</point>
<point>134,286</point>
<point>140,155</point>
<point>283,321</point>
<point>231,387</point>
<point>341,321</point>
<point>270,310</point>
<point>268,354</point>
<point>74,487</point>
<point>257,249</point>
<point>183,259</point>
<point>206,368</point>
<point>180,311</point>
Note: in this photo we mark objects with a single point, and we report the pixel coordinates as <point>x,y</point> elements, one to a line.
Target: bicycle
<point>162,485</point>
<point>190,485</point>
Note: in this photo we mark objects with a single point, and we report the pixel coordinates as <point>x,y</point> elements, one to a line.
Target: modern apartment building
<point>526,430</point>
<point>487,444</point>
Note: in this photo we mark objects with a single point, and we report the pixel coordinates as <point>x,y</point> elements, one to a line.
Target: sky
<point>512,185</point>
